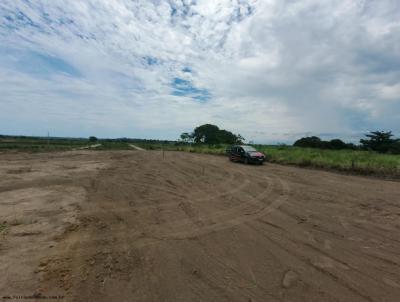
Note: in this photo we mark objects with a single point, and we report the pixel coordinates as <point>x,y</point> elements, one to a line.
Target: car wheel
<point>246,161</point>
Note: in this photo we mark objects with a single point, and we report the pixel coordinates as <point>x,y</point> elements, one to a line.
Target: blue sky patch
<point>151,61</point>
<point>37,63</point>
<point>183,87</point>
<point>173,11</point>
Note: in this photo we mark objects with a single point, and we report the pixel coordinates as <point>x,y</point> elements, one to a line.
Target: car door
<point>240,152</point>
<point>230,152</point>
<point>235,154</point>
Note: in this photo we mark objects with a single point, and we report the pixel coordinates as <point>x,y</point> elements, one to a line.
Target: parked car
<point>245,154</point>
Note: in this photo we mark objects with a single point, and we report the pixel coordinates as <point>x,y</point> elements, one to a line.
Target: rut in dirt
<point>190,227</point>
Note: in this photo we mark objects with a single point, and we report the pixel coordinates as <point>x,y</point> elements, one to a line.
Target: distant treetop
<point>211,134</point>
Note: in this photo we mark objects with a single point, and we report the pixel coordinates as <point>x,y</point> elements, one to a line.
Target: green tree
<point>226,137</point>
<point>239,139</point>
<point>309,142</point>
<point>187,137</point>
<point>379,141</point>
<point>92,139</point>
<point>336,144</point>
<point>206,133</point>
<point>211,134</point>
<point>395,147</point>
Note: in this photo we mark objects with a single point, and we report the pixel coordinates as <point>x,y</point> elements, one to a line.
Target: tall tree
<point>380,141</point>
<point>211,134</point>
<point>336,144</point>
<point>309,142</point>
<point>206,133</point>
<point>226,137</point>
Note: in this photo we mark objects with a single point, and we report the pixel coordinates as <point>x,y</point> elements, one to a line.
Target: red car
<point>245,154</point>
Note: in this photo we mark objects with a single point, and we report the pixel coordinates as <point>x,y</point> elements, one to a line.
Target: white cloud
<point>274,69</point>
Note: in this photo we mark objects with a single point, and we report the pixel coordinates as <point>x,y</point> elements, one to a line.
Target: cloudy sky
<point>271,70</point>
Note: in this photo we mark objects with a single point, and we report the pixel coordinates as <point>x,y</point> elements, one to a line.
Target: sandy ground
<point>132,226</point>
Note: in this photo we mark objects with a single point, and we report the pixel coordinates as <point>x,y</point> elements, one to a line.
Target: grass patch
<point>3,227</point>
<point>28,144</point>
<point>364,162</point>
<point>35,145</point>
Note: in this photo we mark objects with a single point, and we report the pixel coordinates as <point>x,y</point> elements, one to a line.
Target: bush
<point>309,142</point>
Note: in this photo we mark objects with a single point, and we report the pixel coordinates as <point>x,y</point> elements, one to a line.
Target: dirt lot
<point>132,226</point>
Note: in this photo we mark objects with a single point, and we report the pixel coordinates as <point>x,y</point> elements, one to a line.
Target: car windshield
<point>249,149</point>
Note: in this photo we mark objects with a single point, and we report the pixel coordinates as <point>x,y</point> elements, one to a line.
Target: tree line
<point>379,141</point>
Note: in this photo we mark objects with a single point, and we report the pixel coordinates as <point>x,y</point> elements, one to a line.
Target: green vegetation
<point>3,227</point>
<point>92,139</point>
<point>39,144</point>
<point>211,134</point>
<point>366,162</point>
<point>45,144</point>
<point>379,141</point>
<point>316,142</point>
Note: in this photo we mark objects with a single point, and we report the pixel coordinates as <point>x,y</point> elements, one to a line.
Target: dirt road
<point>132,226</point>
<point>136,147</point>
